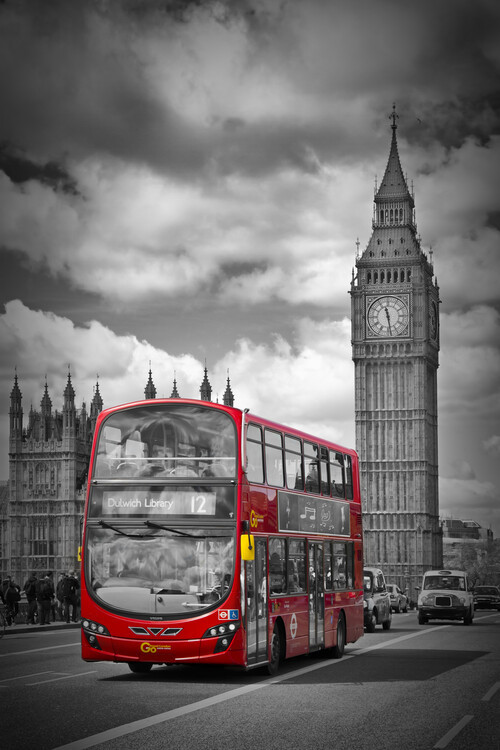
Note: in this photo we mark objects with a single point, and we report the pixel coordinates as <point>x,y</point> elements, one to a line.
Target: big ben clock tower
<point>395,348</point>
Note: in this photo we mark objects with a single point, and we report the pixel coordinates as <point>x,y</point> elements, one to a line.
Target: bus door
<point>256,603</point>
<point>316,597</point>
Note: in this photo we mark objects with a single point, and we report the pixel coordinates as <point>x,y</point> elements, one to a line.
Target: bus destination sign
<point>137,502</point>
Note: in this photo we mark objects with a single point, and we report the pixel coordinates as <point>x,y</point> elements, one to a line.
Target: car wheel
<point>372,622</point>
<point>274,662</point>
<point>422,619</point>
<point>397,609</point>
<point>386,625</point>
<point>140,667</point>
<point>338,650</point>
<point>468,618</point>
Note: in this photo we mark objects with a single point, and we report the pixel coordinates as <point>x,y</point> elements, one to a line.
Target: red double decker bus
<point>215,536</point>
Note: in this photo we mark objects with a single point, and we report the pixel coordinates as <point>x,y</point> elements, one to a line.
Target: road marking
<point>491,692</point>
<point>24,676</point>
<point>445,741</point>
<point>34,650</point>
<point>64,676</point>
<point>136,726</point>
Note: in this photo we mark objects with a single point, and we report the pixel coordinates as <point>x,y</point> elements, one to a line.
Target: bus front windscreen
<point>163,573</point>
<point>166,441</point>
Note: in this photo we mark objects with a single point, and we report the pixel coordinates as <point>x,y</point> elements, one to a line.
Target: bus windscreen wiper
<point>123,533</point>
<point>154,525</point>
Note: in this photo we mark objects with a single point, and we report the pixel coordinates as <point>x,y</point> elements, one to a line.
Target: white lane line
<point>64,677</point>
<point>136,726</point>
<point>34,650</point>
<point>445,741</point>
<point>25,676</point>
<point>491,692</point>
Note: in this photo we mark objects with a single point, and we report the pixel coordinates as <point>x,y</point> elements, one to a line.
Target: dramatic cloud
<point>305,382</point>
<point>190,179</point>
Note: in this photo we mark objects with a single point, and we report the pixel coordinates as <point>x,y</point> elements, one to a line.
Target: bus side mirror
<point>247,547</point>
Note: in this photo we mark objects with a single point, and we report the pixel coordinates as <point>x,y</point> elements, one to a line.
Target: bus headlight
<point>91,630</point>
<point>224,634</point>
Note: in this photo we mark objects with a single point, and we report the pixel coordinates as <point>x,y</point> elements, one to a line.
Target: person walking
<point>12,597</point>
<point>44,597</point>
<point>30,591</point>
<point>70,595</point>
<point>60,595</point>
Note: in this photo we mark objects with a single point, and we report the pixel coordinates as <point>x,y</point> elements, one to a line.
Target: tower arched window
<point>382,277</point>
<point>392,216</point>
<point>396,275</point>
<point>369,277</point>
<point>408,275</point>
<point>375,277</point>
<point>400,214</point>
<point>388,276</point>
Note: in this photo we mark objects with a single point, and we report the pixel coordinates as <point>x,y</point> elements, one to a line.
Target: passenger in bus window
<point>312,479</point>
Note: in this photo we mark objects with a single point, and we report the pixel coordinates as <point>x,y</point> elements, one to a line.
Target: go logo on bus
<point>255,519</point>
<point>150,648</point>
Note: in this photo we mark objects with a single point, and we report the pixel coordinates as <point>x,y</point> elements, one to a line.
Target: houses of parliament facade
<point>395,348</point>
<point>42,509</point>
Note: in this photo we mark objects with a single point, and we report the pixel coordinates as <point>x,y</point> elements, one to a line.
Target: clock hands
<point>388,320</point>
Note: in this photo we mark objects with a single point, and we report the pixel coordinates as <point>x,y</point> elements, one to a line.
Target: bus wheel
<point>140,667</point>
<point>337,651</point>
<point>274,662</point>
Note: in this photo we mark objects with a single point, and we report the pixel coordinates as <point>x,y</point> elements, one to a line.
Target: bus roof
<point>237,414</point>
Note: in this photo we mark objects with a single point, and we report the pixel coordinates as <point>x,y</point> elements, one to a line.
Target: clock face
<point>388,316</point>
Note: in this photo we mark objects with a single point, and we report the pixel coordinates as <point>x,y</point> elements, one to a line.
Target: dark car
<point>487,597</point>
<point>377,602</point>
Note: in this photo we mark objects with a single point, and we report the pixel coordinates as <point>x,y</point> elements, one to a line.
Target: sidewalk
<point>24,628</point>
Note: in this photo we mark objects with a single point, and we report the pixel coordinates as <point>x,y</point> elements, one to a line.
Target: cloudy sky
<point>183,182</point>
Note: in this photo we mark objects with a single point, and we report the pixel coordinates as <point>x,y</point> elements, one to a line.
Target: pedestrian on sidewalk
<point>12,597</point>
<point>70,594</point>
<point>44,596</point>
<point>30,591</point>
<point>60,595</point>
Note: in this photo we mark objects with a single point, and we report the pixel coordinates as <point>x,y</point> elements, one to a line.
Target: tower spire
<point>228,398</point>
<point>150,389</point>
<point>205,388</point>
<point>16,410</point>
<point>175,392</point>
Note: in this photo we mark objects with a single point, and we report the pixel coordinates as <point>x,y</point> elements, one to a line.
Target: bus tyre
<point>276,648</point>
<point>140,667</point>
<point>337,651</point>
